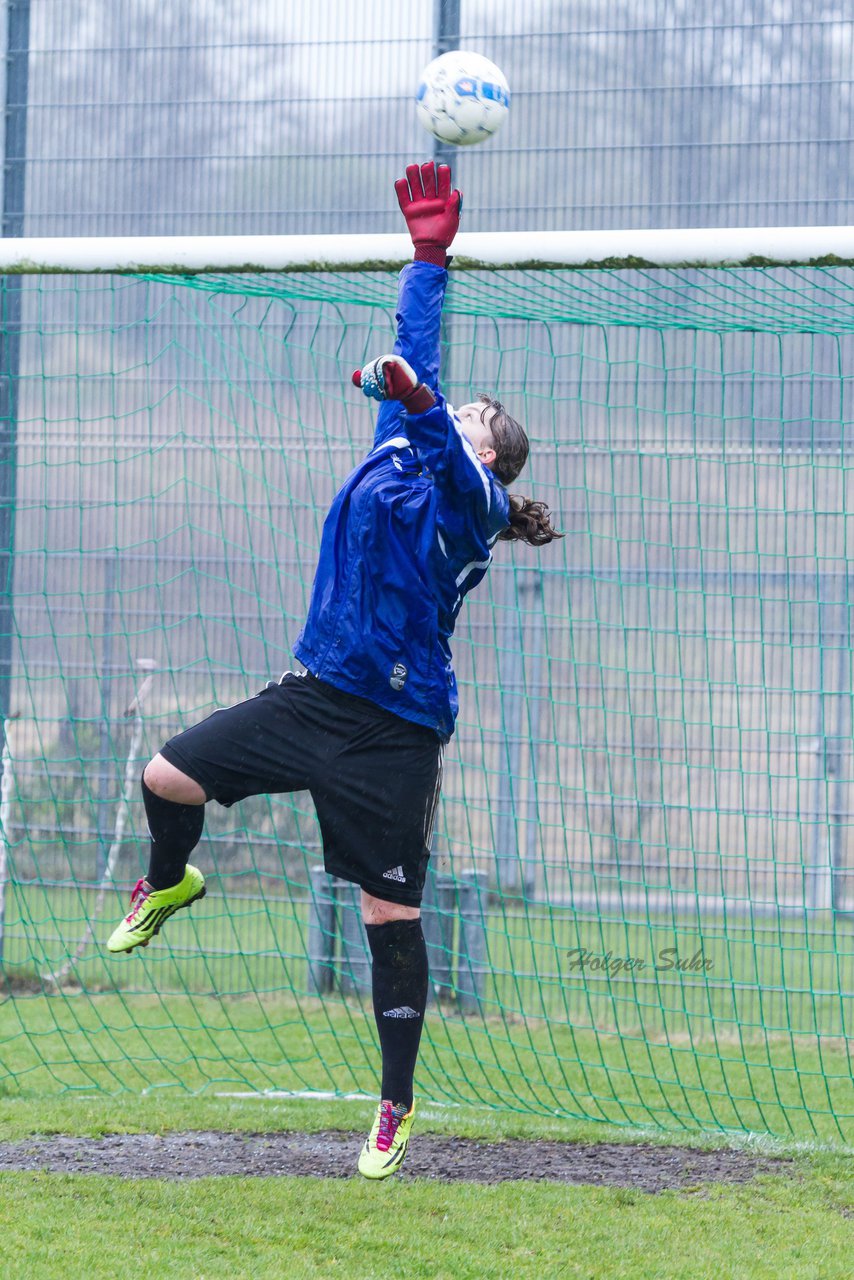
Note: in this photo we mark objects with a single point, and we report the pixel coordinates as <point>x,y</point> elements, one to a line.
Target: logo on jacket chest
<point>397,679</point>
<point>407,463</point>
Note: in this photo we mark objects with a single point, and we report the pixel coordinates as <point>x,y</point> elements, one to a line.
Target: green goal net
<point>640,907</point>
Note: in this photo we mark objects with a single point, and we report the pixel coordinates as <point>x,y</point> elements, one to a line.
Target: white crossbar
<point>532,250</point>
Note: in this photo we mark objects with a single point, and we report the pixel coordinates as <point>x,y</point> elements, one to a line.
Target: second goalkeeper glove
<point>392,378</point>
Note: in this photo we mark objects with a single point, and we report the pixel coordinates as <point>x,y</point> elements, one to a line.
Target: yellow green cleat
<point>151,908</point>
<point>387,1143</point>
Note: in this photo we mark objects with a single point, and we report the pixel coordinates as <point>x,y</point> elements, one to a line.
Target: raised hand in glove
<point>392,378</point>
<point>431,209</point>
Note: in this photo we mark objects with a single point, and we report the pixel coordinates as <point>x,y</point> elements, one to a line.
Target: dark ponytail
<point>529,521</point>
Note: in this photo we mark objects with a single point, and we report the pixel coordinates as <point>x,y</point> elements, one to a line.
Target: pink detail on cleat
<point>390,1118</point>
<point>137,898</point>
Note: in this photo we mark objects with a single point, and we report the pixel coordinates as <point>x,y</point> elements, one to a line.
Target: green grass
<point>55,1226</point>
<point>762,975</point>
<point>756,1042</point>
<point>181,1045</point>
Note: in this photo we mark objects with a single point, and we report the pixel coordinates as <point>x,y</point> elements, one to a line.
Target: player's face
<point>476,423</point>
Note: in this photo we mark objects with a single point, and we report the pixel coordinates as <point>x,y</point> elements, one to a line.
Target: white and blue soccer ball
<point>462,98</point>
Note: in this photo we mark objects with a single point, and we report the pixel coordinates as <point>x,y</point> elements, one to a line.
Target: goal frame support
<point>519,250</point>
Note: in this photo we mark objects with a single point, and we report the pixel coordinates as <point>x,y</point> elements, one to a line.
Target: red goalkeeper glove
<point>391,378</point>
<point>431,210</point>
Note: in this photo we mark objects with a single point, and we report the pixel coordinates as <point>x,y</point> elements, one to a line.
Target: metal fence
<point>135,117</point>
<point>203,117</point>
<point>657,710</point>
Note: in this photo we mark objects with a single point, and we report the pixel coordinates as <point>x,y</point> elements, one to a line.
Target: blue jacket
<point>407,537</point>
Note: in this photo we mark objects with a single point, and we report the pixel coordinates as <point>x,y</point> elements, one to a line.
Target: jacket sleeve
<point>473,501</point>
<point>421,293</point>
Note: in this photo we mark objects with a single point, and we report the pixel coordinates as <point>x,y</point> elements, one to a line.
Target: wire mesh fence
<point>656,728</point>
<point>271,118</point>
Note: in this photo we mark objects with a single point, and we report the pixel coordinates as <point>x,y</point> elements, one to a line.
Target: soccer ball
<point>462,98</point>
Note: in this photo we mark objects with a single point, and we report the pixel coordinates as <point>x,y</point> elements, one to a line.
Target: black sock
<point>400,999</point>
<point>175,830</point>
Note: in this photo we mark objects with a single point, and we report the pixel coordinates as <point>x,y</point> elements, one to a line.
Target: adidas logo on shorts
<point>403,1011</point>
<point>395,873</point>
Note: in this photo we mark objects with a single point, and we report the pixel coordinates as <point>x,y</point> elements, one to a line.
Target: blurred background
<point>654,746</point>
<point>204,116</point>
<point>660,704</point>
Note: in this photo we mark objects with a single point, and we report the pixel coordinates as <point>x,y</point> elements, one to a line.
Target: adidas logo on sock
<point>403,1011</point>
<point>395,873</point>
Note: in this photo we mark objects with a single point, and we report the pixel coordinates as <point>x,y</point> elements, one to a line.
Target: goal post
<point>533,250</point>
<point>641,905</point>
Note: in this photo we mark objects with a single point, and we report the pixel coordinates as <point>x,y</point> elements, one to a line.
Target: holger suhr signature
<point>667,958</point>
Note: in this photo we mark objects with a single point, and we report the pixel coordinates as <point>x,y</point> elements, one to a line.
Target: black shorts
<point>374,777</point>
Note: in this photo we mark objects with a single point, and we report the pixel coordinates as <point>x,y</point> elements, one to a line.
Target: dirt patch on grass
<point>334,1154</point>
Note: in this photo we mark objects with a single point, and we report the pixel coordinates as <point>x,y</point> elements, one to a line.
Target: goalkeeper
<point>363,728</point>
